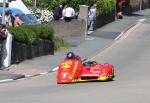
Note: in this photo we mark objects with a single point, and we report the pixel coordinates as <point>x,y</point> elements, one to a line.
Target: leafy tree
<point>28,3</point>
<point>49,4</point>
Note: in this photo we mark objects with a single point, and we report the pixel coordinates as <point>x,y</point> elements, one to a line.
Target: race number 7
<point>64,75</point>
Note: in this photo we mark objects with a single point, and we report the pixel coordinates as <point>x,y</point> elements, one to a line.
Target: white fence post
<point>7,47</point>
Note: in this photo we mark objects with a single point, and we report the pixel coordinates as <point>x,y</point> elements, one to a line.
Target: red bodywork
<point>73,70</point>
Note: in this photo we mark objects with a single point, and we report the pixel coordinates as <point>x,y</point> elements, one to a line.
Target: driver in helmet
<point>71,55</point>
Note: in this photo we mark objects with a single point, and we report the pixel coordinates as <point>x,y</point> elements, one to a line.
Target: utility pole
<point>140,4</point>
<point>34,3</point>
<point>3,14</point>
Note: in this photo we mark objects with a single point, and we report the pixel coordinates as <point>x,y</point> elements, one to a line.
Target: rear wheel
<point>112,75</point>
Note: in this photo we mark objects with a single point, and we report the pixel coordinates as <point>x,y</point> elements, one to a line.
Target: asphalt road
<point>131,59</point>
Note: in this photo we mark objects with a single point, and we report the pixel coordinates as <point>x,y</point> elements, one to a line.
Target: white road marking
<point>27,76</point>
<point>141,20</point>
<point>6,80</point>
<point>122,36</point>
<point>55,69</point>
<point>89,38</point>
<point>119,36</point>
<point>130,30</point>
<point>43,73</point>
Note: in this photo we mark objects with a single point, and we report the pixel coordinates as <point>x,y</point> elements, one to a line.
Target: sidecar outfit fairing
<point>74,70</point>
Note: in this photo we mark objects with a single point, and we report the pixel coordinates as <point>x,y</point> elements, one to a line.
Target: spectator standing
<point>120,4</point>
<point>91,17</point>
<point>12,18</point>
<point>68,13</point>
<point>17,21</point>
<point>8,20</point>
<point>57,12</point>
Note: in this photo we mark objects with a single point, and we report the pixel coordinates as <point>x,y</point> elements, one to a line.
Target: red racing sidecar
<point>73,70</point>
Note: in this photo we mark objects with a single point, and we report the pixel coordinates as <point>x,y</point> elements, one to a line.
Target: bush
<point>46,32</point>
<point>48,4</point>
<point>18,34</point>
<point>32,33</point>
<point>58,43</point>
<point>32,37</point>
<point>105,6</point>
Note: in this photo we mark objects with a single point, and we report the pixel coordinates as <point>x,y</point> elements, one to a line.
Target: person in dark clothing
<point>3,32</point>
<point>57,12</point>
<point>3,36</point>
<point>119,8</point>
<point>12,18</point>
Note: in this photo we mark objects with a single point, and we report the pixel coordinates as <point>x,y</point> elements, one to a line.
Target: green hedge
<point>32,33</point>
<point>103,6</point>
<point>60,43</point>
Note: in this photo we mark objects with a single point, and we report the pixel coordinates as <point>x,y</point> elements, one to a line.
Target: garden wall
<point>139,4</point>
<point>104,19</point>
<point>76,27</point>
<point>148,3</point>
<point>145,4</point>
<point>23,51</point>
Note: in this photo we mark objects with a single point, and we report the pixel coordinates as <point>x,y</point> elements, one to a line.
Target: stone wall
<point>148,3</point>
<point>21,51</point>
<point>76,27</point>
<point>145,4</point>
<point>139,4</point>
<point>104,19</point>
